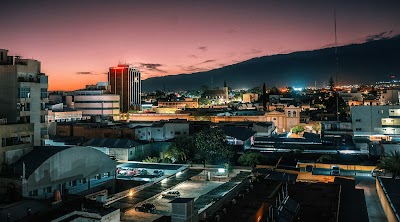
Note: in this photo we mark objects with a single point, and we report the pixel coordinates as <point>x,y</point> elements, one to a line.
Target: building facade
<point>187,103</point>
<point>23,93</point>
<point>16,141</point>
<point>97,103</point>
<point>126,82</point>
<point>373,121</point>
<point>162,131</point>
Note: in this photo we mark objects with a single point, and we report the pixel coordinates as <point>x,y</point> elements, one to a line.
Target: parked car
<point>118,170</point>
<point>125,170</point>
<point>158,173</point>
<point>335,171</point>
<point>141,172</point>
<point>131,172</point>
<point>171,193</point>
<point>146,207</point>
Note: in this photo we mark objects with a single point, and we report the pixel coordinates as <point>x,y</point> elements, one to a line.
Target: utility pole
<point>337,69</point>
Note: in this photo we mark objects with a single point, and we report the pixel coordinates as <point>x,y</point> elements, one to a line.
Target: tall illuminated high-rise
<point>125,81</point>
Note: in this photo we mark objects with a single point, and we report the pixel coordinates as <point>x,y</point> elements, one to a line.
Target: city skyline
<point>77,42</point>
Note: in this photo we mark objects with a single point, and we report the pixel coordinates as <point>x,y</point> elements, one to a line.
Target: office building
<point>23,93</point>
<point>94,103</point>
<point>125,81</point>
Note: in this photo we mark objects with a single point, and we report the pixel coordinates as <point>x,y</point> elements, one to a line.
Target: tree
<point>298,129</point>
<point>181,151</point>
<point>264,97</point>
<point>250,159</point>
<point>204,101</point>
<point>212,147</point>
<point>331,84</point>
<point>391,163</point>
<point>325,159</point>
<point>316,127</point>
<point>152,160</point>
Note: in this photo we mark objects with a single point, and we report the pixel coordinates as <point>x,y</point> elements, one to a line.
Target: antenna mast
<point>337,69</point>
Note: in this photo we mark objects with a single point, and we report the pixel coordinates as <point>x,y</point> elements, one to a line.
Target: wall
<point>390,214</point>
<point>342,166</point>
<point>10,154</point>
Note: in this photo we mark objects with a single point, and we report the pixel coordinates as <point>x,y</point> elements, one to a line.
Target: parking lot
<point>188,189</point>
<point>144,171</point>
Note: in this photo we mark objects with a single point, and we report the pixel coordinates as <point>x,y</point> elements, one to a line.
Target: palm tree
<point>391,163</point>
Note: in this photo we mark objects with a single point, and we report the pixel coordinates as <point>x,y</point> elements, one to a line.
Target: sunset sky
<point>77,41</point>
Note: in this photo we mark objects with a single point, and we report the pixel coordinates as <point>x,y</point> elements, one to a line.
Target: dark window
<point>358,129</point>
<point>24,92</point>
<point>358,120</point>
<point>43,93</point>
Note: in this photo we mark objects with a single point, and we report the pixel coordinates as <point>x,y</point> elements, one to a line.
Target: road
<point>374,207</point>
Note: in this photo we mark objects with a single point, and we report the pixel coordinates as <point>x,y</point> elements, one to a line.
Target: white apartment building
<point>23,93</point>
<point>162,131</point>
<point>376,121</point>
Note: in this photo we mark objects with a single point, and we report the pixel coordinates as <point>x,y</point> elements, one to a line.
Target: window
<point>43,93</point>
<point>289,113</point>
<point>358,129</point>
<point>48,189</point>
<point>24,92</point>
<point>33,193</point>
<point>43,131</point>
<point>294,113</point>
<point>177,133</point>
<point>358,120</point>
<point>28,107</point>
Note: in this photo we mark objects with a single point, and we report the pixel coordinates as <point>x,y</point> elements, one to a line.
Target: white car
<point>125,170</point>
<point>171,193</point>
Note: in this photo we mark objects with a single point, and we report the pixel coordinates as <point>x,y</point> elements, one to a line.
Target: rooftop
<point>35,158</point>
<point>112,143</point>
<point>182,200</point>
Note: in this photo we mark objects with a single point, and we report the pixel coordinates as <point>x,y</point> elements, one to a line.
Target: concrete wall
<point>390,214</point>
<point>342,166</point>
<point>8,93</point>
<point>10,154</point>
<point>167,131</point>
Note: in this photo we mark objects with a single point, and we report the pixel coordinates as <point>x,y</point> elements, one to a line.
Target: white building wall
<point>367,120</point>
<point>98,105</point>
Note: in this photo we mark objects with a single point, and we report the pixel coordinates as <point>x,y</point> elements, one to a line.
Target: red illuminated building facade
<point>125,81</point>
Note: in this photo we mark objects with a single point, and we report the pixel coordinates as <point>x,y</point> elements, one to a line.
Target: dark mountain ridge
<point>358,63</point>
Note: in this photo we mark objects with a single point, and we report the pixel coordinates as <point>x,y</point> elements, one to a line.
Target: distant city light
<point>297,88</point>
